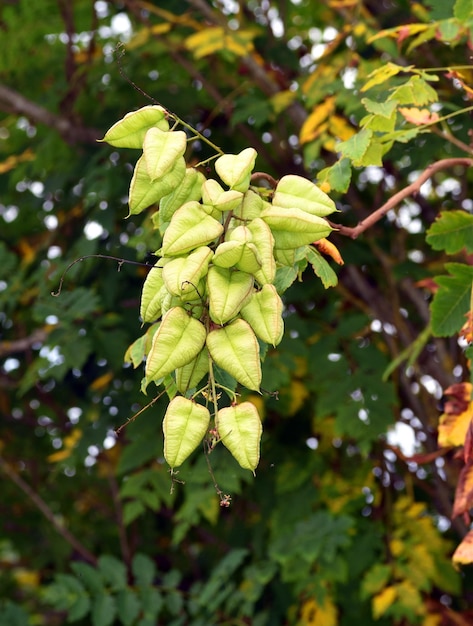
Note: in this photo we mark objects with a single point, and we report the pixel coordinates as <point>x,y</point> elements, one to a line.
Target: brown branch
<point>398,197</point>
<point>24,344</point>
<point>13,102</point>
<point>47,512</point>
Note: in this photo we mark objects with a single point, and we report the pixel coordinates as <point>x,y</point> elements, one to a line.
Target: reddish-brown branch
<point>398,197</point>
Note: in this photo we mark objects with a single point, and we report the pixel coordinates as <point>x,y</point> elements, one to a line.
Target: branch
<point>13,102</point>
<point>410,190</point>
<point>47,512</point>
<point>24,344</point>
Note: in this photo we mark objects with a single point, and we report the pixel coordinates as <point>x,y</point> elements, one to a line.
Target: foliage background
<point>340,525</point>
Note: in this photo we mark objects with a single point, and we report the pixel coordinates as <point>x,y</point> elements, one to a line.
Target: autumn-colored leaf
<point>418,117</point>
<point>456,419</point>
<point>312,126</point>
<point>464,491</point>
<point>329,249</point>
<point>463,555</point>
<point>467,329</point>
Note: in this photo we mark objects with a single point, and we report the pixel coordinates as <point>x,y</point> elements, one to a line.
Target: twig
<point>47,512</point>
<point>410,190</point>
<point>14,102</point>
<point>22,345</point>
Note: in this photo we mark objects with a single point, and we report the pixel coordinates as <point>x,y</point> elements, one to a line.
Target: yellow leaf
<point>26,578</point>
<point>418,117</point>
<point>314,614</point>
<point>69,443</point>
<point>101,382</point>
<point>312,126</point>
<point>384,73</point>
<point>282,100</point>
<point>382,601</point>
<point>12,161</point>
<point>216,38</point>
<point>454,422</point>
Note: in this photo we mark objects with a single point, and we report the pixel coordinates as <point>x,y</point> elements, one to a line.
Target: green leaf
<point>384,109</point>
<point>130,131</point>
<point>113,572</point>
<point>416,91</point>
<point>89,576</point>
<point>452,231</point>
<point>451,302</point>
<point>321,267</point>
<point>162,150</point>
<point>235,349</point>
<point>184,426</point>
<point>103,610</point>
<point>240,429</point>
<point>128,607</point>
<point>221,574</point>
<point>356,147</point>
<point>144,570</point>
<point>463,10</point>
<point>144,192</point>
<point>177,342</point>
<point>338,176</point>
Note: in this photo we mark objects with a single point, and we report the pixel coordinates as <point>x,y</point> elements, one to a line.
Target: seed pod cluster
<point>211,296</point>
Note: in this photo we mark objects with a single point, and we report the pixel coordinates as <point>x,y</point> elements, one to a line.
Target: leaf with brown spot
<point>464,491</point>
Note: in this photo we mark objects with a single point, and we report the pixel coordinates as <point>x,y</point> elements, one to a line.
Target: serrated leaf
<point>384,109</point>
<point>190,227</point>
<point>235,349</point>
<point>128,607</point>
<point>416,91</point>
<point>451,302</point>
<point>296,192</point>
<point>162,150</point>
<point>463,10</point>
<point>184,426</point>
<point>113,572</point>
<point>235,169</point>
<point>321,268</point>
<point>130,131</point>
<point>240,429</point>
<point>264,314</point>
<point>144,570</point>
<point>337,176</point>
<point>452,231</point>
<point>89,576</point>
<point>228,291</point>
<point>103,610</point>
<point>144,192</point>
<point>179,339</point>
<point>382,74</point>
<point>356,147</point>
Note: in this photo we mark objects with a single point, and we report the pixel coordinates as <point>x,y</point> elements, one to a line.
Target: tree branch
<point>398,197</point>
<point>13,102</point>
<point>23,344</point>
<point>47,512</point>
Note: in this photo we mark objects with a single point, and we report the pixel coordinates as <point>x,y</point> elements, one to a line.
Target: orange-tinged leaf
<point>463,555</point>
<point>312,126</point>
<point>455,421</point>
<point>329,249</point>
<point>467,329</point>
<point>464,491</point>
<point>418,117</point>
